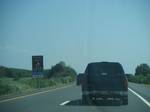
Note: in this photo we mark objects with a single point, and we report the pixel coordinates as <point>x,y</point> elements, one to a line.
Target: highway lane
<point>50,102</point>
<point>143,90</point>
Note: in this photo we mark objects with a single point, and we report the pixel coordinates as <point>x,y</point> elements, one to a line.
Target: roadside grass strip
<point>24,96</point>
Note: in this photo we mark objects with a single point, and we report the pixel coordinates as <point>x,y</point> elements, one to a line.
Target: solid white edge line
<point>64,103</point>
<point>144,100</point>
<point>20,97</point>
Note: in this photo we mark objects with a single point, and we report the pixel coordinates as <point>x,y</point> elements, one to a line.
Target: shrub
<point>143,79</point>
<point>4,89</point>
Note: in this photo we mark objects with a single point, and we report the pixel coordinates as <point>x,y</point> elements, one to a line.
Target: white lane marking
<point>144,100</point>
<point>64,103</point>
<point>20,97</point>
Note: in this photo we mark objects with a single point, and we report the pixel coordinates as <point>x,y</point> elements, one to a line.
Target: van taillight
<point>126,84</point>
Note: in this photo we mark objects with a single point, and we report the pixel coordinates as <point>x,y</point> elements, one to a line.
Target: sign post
<point>37,69</point>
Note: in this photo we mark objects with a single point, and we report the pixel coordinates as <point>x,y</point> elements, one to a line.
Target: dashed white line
<point>144,100</point>
<point>64,103</point>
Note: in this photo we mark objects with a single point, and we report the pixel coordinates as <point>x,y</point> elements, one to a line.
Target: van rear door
<point>105,76</point>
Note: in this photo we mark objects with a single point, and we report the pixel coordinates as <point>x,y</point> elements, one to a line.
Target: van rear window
<point>109,68</point>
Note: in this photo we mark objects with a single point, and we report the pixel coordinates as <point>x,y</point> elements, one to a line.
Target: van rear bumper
<point>105,93</point>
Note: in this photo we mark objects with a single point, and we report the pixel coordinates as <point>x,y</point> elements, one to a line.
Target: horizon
<point>76,32</point>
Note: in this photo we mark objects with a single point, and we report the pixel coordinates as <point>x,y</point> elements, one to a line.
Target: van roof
<point>104,62</point>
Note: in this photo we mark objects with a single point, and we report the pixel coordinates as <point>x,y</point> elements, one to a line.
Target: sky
<point>75,31</point>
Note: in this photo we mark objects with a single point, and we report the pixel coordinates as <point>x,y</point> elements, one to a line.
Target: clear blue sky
<point>75,31</point>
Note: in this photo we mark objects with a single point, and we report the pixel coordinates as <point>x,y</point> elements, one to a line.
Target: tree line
<point>13,72</point>
<point>58,70</point>
<point>142,69</point>
<point>142,74</point>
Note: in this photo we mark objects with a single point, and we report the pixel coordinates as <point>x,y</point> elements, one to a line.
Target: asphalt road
<point>143,90</point>
<point>53,101</point>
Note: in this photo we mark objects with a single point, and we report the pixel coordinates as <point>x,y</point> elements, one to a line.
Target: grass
<point>10,86</point>
<point>147,85</point>
<point>142,79</point>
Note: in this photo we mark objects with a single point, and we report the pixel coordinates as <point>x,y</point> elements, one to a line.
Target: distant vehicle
<point>103,80</point>
<point>79,78</point>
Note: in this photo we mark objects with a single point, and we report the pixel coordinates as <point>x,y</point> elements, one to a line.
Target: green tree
<point>142,69</point>
<point>61,70</point>
<point>4,71</point>
<point>17,76</point>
